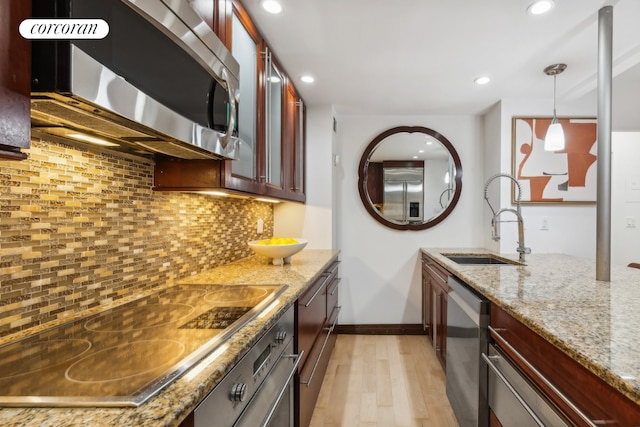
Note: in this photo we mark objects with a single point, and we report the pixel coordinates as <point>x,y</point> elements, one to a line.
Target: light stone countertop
<point>174,402</point>
<point>597,323</point>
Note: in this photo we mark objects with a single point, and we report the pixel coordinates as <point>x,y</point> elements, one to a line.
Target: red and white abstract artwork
<point>564,176</point>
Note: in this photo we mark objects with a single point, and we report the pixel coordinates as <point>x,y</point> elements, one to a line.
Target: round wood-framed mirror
<point>410,178</point>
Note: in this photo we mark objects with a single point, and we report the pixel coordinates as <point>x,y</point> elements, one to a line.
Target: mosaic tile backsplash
<point>81,229</point>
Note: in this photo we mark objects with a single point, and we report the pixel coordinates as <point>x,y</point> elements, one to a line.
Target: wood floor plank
<point>385,381</point>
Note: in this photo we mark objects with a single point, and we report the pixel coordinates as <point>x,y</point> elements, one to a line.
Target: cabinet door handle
<point>335,287</point>
<point>544,380</point>
<point>267,110</point>
<point>328,275</point>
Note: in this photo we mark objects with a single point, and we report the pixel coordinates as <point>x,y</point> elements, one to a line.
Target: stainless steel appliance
<point>513,400</point>
<point>258,392</point>
<point>125,355</point>
<point>159,82</point>
<point>403,197</point>
<point>467,340</point>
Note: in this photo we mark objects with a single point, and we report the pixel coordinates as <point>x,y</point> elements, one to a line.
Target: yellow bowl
<point>279,253</point>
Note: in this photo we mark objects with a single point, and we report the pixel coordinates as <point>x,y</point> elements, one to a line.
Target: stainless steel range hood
<point>160,82</point>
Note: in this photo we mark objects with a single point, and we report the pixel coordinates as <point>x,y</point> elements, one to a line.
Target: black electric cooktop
<point>125,355</point>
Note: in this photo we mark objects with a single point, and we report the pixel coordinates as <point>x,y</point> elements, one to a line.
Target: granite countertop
<point>557,296</point>
<point>174,402</point>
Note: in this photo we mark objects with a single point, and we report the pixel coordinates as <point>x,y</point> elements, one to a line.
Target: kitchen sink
<point>480,259</point>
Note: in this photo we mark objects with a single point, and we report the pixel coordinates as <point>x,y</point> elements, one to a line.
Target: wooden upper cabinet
<point>217,14</point>
<point>294,144</point>
<point>15,81</point>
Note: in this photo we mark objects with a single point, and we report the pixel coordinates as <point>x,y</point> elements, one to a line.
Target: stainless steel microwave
<point>159,82</point>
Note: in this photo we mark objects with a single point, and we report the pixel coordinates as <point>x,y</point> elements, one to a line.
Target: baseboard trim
<point>402,329</point>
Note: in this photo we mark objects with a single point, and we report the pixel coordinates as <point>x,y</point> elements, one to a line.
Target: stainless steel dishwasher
<point>467,340</point>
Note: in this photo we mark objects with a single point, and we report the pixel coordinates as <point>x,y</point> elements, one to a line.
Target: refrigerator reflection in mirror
<point>403,196</point>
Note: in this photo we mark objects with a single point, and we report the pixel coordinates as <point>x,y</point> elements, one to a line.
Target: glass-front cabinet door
<point>294,145</point>
<point>245,51</point>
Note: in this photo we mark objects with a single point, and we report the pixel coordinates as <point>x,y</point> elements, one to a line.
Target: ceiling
<point>422,56</point>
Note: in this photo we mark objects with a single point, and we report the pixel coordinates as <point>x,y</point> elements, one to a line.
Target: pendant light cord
<point>554,95</point>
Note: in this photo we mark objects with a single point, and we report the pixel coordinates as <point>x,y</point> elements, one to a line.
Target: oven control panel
<point>231,397</point>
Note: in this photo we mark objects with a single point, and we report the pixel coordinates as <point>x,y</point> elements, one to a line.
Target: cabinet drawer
<point>312,313</point>
<point>439,275</point>
<point>570,386</point>
<point>315,368</point>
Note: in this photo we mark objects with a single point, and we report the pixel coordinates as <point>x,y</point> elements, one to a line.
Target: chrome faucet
<point>495,233</point>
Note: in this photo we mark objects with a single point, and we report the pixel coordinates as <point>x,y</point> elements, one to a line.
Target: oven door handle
<point>296,362</point>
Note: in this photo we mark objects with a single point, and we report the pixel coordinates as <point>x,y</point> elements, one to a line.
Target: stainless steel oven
<point>467,340</point>
<point>258,391</point>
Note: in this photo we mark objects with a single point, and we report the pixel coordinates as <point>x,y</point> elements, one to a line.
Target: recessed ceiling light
<point>540,6</point>
<point>272,6</point>
<point>307,79</point>
<point>482,80</point>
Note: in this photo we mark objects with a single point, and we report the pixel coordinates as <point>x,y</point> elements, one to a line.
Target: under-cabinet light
<point>262,199</point>
<point>214,193</point>
<point>482,80</point>
<point>91,139</point>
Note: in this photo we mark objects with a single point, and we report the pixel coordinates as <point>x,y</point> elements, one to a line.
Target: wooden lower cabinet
<point>15,81</point>
<point>493,420</point>
<point>435,290</point>
<point>582,390</point>
<point>316,316</point>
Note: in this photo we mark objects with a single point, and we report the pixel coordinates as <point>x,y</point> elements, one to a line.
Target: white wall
<point>571,227</point>
<point>381,276</point>
<point>314,220</point>
<point>625,197</point>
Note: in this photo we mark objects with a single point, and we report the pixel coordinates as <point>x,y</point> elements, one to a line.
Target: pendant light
<point>554,139</point>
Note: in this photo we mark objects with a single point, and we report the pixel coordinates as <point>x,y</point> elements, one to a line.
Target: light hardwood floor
<point>383,380</point>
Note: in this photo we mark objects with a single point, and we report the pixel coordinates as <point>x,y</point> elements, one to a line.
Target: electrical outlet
<point>544,223</point>
<point>630,221</point>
